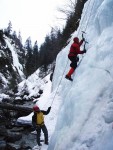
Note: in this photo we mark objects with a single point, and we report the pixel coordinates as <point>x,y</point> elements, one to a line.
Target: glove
<point>83,39</point>
<point>49,108</point>
<point>77,59</point>
<point>84,51</point>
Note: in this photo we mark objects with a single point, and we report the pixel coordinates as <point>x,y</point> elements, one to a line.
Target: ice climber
<point>74,51</point>
<point>38,123</point>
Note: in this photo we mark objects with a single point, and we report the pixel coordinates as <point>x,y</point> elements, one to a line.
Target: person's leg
<point>44,129</point>
<point>73,62</point>
<point>70,72</point>
<point>73,66</point>
<point>38,135</point>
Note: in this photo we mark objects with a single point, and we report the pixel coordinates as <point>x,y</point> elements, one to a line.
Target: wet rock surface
<point>15,136</point>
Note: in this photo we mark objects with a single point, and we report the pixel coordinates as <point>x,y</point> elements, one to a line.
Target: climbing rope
<point>86,24</point>
<point>86,11</point>
<point>77,35</point>
<point>59,83</point>
<point>90,14</point>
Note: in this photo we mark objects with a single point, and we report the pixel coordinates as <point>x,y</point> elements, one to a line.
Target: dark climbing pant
<point>74,60</point>
<point>44,129</point>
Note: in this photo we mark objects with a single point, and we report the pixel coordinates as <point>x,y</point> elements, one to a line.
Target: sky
<point>32,17</point>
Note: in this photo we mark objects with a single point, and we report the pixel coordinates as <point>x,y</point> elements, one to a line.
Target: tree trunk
<point>15,107</point>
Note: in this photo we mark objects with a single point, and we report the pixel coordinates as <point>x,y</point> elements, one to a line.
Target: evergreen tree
<point>20,40</point>
<point>28,44</point>
<point>35,56</point>
<point>45,52</point>
<point>14,36</point>
<point>2,41</point>
<point>29,65</point>
<point>8,29</point>
<point>50,48</point>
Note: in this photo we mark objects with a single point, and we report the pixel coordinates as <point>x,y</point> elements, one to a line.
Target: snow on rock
<point>33,84</point>
<point>16,63</point>
<point>4,96</point>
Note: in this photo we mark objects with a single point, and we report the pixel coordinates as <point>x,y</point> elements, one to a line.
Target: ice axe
<point>83,32</point>
<point>85,42</point>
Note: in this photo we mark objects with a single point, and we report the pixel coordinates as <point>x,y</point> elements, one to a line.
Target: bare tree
<point>68,9</point>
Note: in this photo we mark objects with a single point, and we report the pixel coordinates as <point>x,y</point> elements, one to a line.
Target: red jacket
<point>75,49</point>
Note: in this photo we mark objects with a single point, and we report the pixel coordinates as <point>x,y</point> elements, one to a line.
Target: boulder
<point>13,137</point>
<point>2,145</point>
<point>3,131</point>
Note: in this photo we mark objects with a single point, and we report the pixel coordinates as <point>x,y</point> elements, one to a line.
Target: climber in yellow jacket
<point>38,123</point>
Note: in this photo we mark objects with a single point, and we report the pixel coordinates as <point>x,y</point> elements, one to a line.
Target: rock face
<point>14,136</point>
<point>6,136</point>
<point>17,138</point>
<point>10,73</point>
<point>3,131</point>
<point>2,145</point>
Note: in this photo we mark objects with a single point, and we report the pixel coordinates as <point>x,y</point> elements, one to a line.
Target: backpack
<point>40,118</point>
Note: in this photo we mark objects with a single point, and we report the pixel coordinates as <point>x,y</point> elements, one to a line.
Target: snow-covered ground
<point>83,108</point>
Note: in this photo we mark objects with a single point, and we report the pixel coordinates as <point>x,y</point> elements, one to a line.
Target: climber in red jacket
<point>74,51</point>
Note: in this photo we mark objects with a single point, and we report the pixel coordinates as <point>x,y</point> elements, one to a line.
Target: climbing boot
<point>69,78</point>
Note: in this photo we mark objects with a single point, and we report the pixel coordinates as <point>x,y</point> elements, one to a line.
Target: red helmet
<point>36,108</point>
<point>76,39</point>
